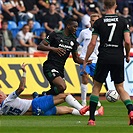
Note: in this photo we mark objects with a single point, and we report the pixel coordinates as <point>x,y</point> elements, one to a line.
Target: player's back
<point>111,30</point>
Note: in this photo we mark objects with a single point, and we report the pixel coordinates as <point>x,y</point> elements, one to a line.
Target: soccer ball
<point>112,96</point>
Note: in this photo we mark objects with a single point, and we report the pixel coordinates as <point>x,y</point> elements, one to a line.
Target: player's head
<point>93,18</point>
<point>71,25</point>
<point>110,4</point>
<point>2,96</point>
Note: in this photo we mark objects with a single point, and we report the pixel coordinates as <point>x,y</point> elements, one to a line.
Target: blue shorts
<point>43,105</point>
<point>90,69</point>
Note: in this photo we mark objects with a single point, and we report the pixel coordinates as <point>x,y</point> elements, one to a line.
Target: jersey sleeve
<point>126,26</point>
<point>12,96</point>
<point>95,30</point>
<point>76,44</point>
<point>50,38</point>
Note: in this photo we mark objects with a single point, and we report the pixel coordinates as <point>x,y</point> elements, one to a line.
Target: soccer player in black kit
<point>60,44</point>
<point>112,31</point>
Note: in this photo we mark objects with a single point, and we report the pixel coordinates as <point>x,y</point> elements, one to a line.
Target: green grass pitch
<point>115,120</point>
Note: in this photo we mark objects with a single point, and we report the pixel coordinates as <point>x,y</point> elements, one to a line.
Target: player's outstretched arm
<point>78,60</point>
<point>23,80</point>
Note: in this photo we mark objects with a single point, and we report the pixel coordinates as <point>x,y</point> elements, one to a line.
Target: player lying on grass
<point>45,105</point>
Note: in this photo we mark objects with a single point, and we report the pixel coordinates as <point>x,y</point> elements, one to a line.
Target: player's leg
<point>101,72</point>
<point>70,100</point>
<point>55,78</point>
<point>126,100</point>
<point>124,96</point>
<point>91,73</point>
<point>94,98</point>
<point>117,75</point>
<point>84,82</point>
<point>60,98</point>
<point>61,110</point>
<point>84,89</point>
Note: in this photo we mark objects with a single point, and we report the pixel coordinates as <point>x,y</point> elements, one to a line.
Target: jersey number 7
<point>112,31</point>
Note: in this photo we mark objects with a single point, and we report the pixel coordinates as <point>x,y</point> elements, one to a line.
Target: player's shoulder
<point>122,19</point>
<point>87,30</point>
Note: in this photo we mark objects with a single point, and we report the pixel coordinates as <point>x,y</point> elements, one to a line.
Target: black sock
<point>51,92</point>
<point>129,105</point>
<point>130,108</point>
<point>93,106</point>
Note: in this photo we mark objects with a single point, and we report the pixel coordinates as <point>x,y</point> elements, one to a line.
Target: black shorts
<point>51,72</point>
<point>116,72</point>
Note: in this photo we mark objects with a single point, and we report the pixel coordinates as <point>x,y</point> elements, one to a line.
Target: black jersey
<point>111,30</point>
<point>60,40</point>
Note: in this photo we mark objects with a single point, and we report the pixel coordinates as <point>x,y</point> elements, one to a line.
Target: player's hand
<point>84,65</point>
<point>89,62</point>
<point>128,59</point>
<point>59,51</point>
<point>23,67</point>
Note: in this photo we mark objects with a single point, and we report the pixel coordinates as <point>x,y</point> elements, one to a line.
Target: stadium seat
<point>37,25</point>
<point>21,23</point>
<point>12,25</point>
<point>15,31</point>
<point>38,31</point>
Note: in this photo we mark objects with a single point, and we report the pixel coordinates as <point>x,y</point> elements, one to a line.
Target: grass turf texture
<point>115,120</point>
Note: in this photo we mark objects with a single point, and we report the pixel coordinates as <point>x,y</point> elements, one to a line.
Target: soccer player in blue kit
<point>44,106</point>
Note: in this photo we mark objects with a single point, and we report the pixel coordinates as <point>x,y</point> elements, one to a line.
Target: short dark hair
<point>30,20</point>
<point>4,21</point>
<point>69,21</point>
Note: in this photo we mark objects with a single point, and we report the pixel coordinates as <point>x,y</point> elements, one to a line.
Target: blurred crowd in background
<point>25,23</point>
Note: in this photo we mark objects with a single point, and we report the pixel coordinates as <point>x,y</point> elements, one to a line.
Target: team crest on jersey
<point>71,43</point>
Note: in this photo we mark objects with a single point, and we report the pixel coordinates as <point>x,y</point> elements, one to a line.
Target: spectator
<point>71,11</point>
<point>52,20</point>
<point>42,37</point>
<point>24,39</point>
<point>33,36</point>
<point>127,16</point>
<point>43,6</point>
<point>7,43</point>
<point>18,8</point>
<point>31,10</point>
<point>92,7</point>
<point>130,5</point>
<point>121,4</point>
<point>1,18</point>
<point>101,6</point>
<point>80,6</point>
<point>7,10</point>
<point>59,10</point>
